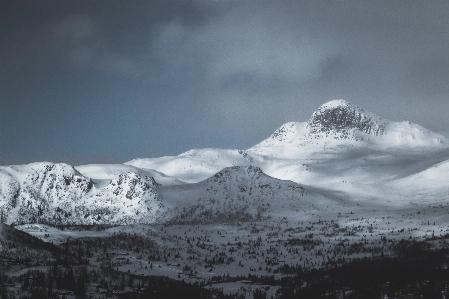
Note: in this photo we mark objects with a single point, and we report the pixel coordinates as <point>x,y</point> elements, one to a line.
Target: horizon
<point>89,82</point>
<point>138,158</point>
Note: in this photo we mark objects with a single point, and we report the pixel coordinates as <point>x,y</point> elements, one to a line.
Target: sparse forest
<point>269,261</point>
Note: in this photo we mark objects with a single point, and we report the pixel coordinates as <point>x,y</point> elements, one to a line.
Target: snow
<point>194,165</point>
<point>341,152</point>
<point>406,134</point>
<point>352,183</point>
<point>59,194</point>
<point>112,171</point>
<point>334,104</point>
<point>432,179</point>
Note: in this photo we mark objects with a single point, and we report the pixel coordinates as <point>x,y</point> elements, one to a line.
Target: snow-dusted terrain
<point>342,151</point>
<point>342,186</point>
<point>58,194</point>
<point>341,148</point>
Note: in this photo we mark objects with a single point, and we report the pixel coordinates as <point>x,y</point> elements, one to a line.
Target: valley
<point>242,257</point>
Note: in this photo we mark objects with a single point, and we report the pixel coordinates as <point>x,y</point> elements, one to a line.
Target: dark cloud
<point>127,79</point>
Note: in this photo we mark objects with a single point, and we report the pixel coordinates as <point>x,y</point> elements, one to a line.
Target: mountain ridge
<point>341,122</point>
<point>341,149</point>
<point>131,198</point>
<point>56,193</point>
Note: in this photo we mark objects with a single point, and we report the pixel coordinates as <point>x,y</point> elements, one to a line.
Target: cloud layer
<point>147,78</point>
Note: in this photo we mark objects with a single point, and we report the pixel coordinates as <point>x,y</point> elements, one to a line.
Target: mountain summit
<point>341,118</point>
<point>340,122</point>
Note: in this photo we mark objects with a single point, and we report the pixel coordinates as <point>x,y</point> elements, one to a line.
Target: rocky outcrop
<point>341,119</point>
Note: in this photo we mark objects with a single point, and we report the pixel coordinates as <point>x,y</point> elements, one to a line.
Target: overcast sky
<point>109,81</point>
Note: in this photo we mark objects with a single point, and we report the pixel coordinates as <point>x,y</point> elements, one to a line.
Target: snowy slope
<point>341,124</point>
<point>406,134</point>
<point>112,171</point>
<point>355,142</point>
<point>434,179</point>
<point>346,149</point>
<point>341,147</point>
<point>237,193</point>
<point>38,187</point>
<point>130,198</point>
<point>58,193</point>
<point>195,165</point>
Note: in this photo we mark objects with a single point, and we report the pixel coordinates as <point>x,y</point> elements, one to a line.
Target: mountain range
<point>342,151</point>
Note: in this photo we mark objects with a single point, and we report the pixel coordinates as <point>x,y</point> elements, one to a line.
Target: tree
<point>259,294</point>
<point>80,289</point>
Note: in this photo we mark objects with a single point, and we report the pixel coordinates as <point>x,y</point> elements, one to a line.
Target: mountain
<point>340,123</point>
<point>343,143</point>
<point>237,193</point>
<point>58,194</point>
<point>340,119</point>
<point>340,142</point>
<point>341,151</point>
<point>29,190</point>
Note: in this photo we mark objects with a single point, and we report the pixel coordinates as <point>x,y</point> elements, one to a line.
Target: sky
<point>109,81</point>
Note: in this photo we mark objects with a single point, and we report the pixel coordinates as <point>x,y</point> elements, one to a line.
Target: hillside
<point>237,193</point>
<point>195,165</point>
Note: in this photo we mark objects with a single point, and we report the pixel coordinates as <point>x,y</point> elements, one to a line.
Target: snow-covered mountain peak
<point>240,171</point>
<point>336,120</point>
<point>341,147</point>
<point>341,125</point>
<point>43,168</point>
<point>342,119</point>
<point>245,177</point>
<point>48,175</point>
<point>335,104</point>
<point>288,131</point>
<point>236,193</point>
<point>131,180</point>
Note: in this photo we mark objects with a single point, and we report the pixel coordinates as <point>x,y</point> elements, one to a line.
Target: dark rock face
<point>341,117</point>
